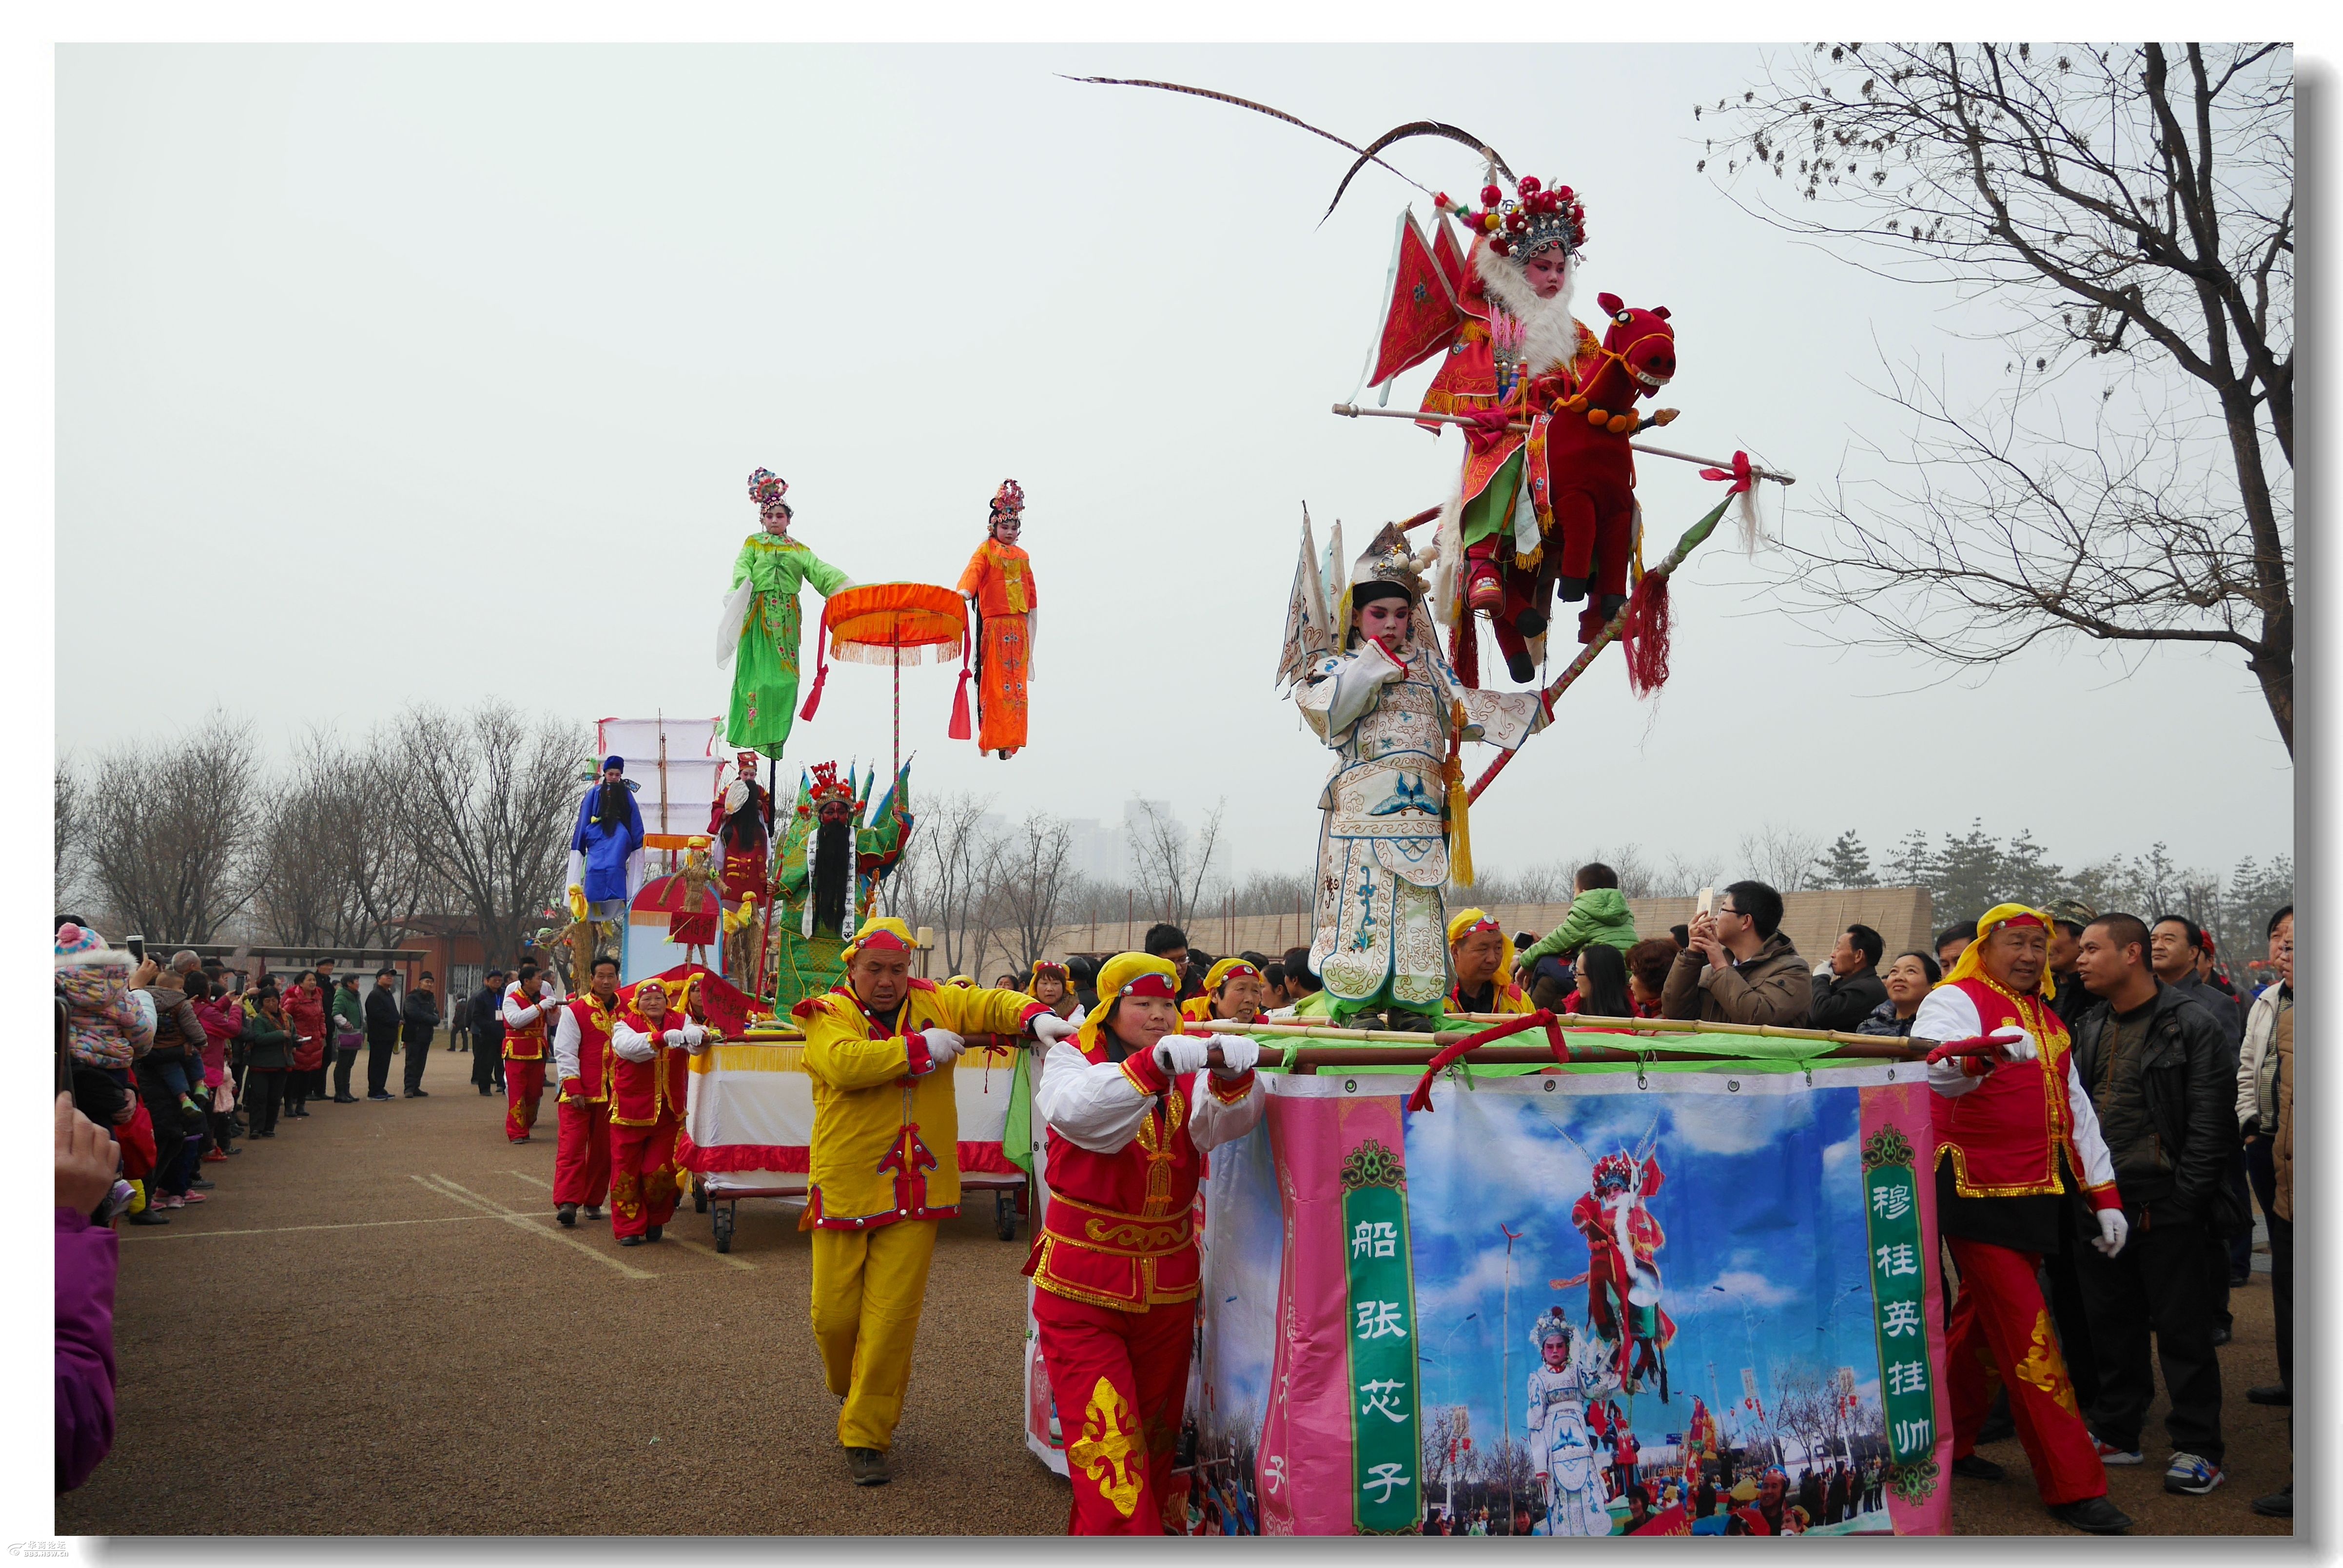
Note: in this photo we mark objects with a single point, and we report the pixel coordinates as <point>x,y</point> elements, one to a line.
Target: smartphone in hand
<point>1707,903</point>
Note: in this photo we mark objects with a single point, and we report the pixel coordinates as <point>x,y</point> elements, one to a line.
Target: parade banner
<point>1583,1302</point>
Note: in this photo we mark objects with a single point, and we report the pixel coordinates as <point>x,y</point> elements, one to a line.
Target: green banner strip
<point>1386,1445</point>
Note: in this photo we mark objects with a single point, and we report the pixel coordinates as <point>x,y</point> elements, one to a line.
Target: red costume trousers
<point>1122,1385</point>
<point>642,1177</point>
<point>582,1159</point>
<point>2001,1332</point>
<point>524,1086</point>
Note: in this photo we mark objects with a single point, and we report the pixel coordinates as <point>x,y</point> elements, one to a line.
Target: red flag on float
<point>1422,318</point>
<point>1445,251</point>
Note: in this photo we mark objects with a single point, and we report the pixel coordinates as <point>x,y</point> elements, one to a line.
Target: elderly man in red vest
<point>2016,1140</point>
<point>527,1006</point>
<point>1132,1107</point>
<point>582,1063</point>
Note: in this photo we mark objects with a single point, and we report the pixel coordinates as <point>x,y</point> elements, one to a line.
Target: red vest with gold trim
<point>595,1056</point>
<point>525,1042</point>
<point>2001,1135</point>
<point>1120,1230</point>
<point>643,1091</point>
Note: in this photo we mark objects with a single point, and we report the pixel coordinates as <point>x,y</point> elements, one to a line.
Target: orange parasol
<point>892,624</point>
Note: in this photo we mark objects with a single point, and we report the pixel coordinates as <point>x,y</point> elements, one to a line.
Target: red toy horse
<point>1585,487</point>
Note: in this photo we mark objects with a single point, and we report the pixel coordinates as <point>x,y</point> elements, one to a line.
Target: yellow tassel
<point>1460,807</point>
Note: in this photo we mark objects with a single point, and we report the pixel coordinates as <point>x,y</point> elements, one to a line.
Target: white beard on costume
<point>1550,333</point>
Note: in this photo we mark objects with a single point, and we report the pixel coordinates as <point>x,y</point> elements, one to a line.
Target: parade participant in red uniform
<point>1132,1110</point>
<point>2014,1136</point>
<point>651,1045</point>
<point>1232,990</point>
<point>884,1166</point>
<point>526,1006</point>
<point>583,1065</point>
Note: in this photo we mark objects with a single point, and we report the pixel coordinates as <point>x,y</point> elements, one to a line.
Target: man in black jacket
<point>419,1021</point>
<point>382,1032</point>
<point>1846,993</point>
<point>488,1028</point>
<point>2156,1067</point>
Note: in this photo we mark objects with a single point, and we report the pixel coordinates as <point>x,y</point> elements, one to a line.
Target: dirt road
<point>376,1327</point>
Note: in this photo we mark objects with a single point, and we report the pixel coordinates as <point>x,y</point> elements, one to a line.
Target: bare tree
<point>1027,881</point>
<point>2121,202</point>
<point>1784,858</point>
<point>487,801</point>
<point>170,830</point>
<point>72,810</point>
<point>1686,875</point>
<point>940,881</point>
<point>1169,864</point>
<point>335,869</point>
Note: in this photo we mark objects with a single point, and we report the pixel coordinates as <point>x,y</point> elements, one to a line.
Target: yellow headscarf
<point>1970,965</point>
<point>1464,920</point>
<point>872,926</point>
<point>1116,977</point>
<point>1223,970</point>
<point>1064,978</point>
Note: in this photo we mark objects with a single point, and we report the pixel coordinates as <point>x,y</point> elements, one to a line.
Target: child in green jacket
<point>1598,914</point>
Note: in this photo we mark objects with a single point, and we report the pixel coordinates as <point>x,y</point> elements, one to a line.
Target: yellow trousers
<point>868,1286</point>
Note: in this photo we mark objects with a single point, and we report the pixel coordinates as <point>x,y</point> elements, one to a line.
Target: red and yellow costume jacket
<point>2002,1122</point>
<point>1126,1146</point>
<point>1001,577</point>
<point>581,1048</point>
<point>1468,379</point>
<point>645,1092</point>
<point>886,1125</point>
<point>525,1039</point>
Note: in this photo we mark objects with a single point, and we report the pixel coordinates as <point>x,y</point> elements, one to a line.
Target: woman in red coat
<point>305,1015</point>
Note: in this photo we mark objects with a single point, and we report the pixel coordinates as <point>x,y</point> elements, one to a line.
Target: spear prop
<point>1353,411</point>
<point>1743,474</point>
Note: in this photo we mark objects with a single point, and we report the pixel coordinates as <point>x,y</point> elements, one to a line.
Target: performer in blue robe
<point>606,852</point>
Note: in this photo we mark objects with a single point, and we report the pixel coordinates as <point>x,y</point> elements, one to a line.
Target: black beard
<point>833,867</point>
<point>744,830</point>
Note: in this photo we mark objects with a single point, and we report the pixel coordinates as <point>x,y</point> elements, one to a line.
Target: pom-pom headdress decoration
<point>829,787</point>
<point>1008,501</point>
<point>1550,1325</point>
<point>1614,1173</point>
<point>767,487</point>
<point>1535,217</point>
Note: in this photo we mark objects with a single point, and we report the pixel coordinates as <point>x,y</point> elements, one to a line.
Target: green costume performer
<point>761,623</point>
<point>834,851</point>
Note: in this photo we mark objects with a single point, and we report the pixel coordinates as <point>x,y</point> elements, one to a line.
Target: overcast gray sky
<point>409,372</point>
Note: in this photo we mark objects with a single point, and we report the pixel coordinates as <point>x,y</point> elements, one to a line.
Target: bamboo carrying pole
<point>1353,411</point>
<point>1868,1046</point>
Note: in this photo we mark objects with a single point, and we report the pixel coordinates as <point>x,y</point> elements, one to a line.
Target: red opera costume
<point>650,1086</point>
<point>1000,580</point>
<point>582,1056</point>
<point>736,823</point>
<point>524,1048</point>
<point>1115,1266</point>
<point>2010,1136</point>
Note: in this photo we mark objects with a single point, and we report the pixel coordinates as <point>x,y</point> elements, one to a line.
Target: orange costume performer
<point>649,1067</point>
<point>1116,1266</point>
<point>883,1169</point>
<point>2012,1132</point>
<point>1000,582</point>
<point>524,1017</point>
<point>582,1058</point>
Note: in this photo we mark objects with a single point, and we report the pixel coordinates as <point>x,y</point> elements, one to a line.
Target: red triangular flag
<point>1445,252</point>
<point>1422,318</point>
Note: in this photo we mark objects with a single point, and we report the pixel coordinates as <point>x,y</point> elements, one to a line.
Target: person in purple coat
<point>86,1162</point>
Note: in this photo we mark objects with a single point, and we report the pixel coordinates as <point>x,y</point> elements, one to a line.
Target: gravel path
<point>375,1328</point>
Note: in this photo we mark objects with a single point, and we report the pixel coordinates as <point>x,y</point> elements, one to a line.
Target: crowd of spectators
<point>166,1066</point>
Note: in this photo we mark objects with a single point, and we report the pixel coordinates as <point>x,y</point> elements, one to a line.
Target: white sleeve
<point>2259,1024</point>
<point>1212,1121</point>
<point>634,874</point>
<point>566,1041</point>
<point>576,876</point>
<point>632,1046</point>
<point>734,611</point>
<point>2098,1165</point>
<point>1947,1013</point>
<point>695,1038</point>
<point>1092,1104</point>
<point>1032,636</point>
<point>518,1016</point>
<point>1342,688</point>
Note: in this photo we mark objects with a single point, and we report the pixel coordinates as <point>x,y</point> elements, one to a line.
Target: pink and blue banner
<point>1582,1303</point>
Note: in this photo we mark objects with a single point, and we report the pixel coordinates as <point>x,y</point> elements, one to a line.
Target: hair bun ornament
<point>1009,500</point>
<point>765,487</point>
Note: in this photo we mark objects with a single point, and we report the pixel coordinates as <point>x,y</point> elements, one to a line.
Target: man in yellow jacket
<point>885,1165</point>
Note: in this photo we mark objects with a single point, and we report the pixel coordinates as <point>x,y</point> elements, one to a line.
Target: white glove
<point>2114,1231</point>
<point>672,1037</point>
<point>1238,1055</point>
<point>1178,1053</point>
<point>1050,1028</point>
<point>942,1046</point>
<point>2016,1045</point>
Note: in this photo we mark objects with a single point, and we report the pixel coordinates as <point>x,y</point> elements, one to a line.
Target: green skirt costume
<point>765,660</point>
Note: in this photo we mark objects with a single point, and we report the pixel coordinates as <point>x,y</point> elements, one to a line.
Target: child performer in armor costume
<point>1389,706</point>
<point>1562,1451</point>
